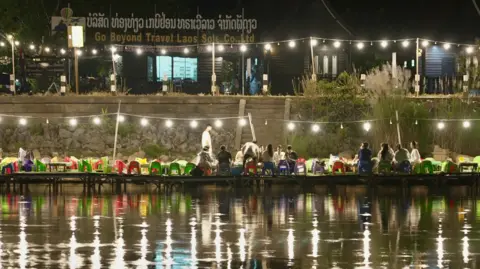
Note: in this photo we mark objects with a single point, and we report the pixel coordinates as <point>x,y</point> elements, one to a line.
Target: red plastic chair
<point>250,167</point>
<point>120,166</point>
<point>134,165</point>
<point>15,167</point>
<point>206,172</point>
<point>338,166</point>
<point>96,164</point>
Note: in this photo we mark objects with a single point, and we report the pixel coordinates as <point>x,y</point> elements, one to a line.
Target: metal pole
<point>314,74</point>
<point>252,129</point>
<point>76,70</point>
<point>398,128</point>
<point>214,78</point>
<point>116,132</point>
<point>243,55</point>
<point>417,75</point>
<point>13,65</point>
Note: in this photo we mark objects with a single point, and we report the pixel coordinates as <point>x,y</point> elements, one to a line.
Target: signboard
<point>75,36</point>
<point>162,28</point>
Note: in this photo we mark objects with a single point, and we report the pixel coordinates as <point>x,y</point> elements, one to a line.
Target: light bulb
<point>425,43</point>
<point>163,51</point>
<point>405,43</point>
<point>168,123</point>
<point>144,122</point>
<point>113,49</point>
<point>139,51</point>
<point>2,44</point>
<point>209,48</point>
<point>367,126</point>
<point>186,51</point>
<point>32,47</point>
<point>94,51</point>
<point>218,123</point>
<point>292,44</point>
<point>341,125</point>
<point>17,43</point>
<point>268,46</point>
<point>469,50</point>
<point>193,124</point>
<point>79,52</point>
<point>73,122</point>
<point>63,51</point>
<point>337,44</point>
<point>243,48</point>
<point>97,121</point>
<point>416,122</point>
<point>360,45</point>
<point>384,44</point>
<point>315,128</point>
<point>242,122</point>
<point>391,121</point>
<point>446,46</point>
<point>220,48</point>
<point>441,125</point>
<point>291,126</point>
<point>47,49</point>
<point>22,121</point>
<point>121,118</point>
<point>466,124</point>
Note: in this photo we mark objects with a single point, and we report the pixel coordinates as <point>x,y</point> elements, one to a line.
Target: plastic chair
<point>317,168</point>
<point>28,166</point>
<point>40,166</point>
<point>309,164</point>
<point>384,167</point>
<point>8,169</point>
<point>268,167</point>
<point>283,167</point>
<point>449,167</point>
<point>300,168</point>
<point>155,168</point>
<point>98,165</point>
<point>175,169</point>
<point>425,167</point>
<point>365,167</point>
<point>86,166</point>
<point>120,166</point>
<point>250,168</point>
<point>188,168</point>
<point>338,166</point>
<point>134,166</point>
<point>15,167</point>
<point>223,169</point>
<point>477,161</point>
<point>404,167</point>
<point>236,170</point>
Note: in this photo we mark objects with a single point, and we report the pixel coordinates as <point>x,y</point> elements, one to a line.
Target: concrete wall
<point>267,115</point>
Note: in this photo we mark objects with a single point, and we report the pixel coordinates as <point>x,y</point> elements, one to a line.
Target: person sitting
<point>250,151</point>
<point>291,157</point>
<point>386,154</point>
<point>278,155</point>
<point>205,160</point>
<point>364,156</point>
<point>267,156</point>
<point>414,154</point>
<point>401,155</point>
<point>239,158</point>
<point>224,159</point>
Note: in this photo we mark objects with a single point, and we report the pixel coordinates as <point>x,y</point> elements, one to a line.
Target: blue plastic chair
<point>223,169</point>
<point>404,167</point>
<point>236,171</point>
<point>365,167</point>
<point>283,167</point>
<point>268,166</point>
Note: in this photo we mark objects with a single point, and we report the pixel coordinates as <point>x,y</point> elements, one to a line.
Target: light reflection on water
<point>216,228</point>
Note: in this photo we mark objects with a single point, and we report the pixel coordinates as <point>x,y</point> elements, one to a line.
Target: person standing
<point>250,150</point>
<point>207,139</point>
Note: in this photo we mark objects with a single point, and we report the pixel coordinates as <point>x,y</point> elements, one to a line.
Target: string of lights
<point>359,44</point>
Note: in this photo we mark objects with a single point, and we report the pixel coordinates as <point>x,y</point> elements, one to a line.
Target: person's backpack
<point>196,172</point>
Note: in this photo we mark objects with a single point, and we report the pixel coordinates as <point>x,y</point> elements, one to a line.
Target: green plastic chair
<point>477,161</point>
<point>86,165</point>
<point>425,167</point>
<point>449,167</point>
<point>437,166</point>
<point>175,169</point>
<point>182,163</point>
<point>157,166</point>
<point>384,167</point>
<point>309,164</point>
<point>188,168</point>
<point>40,167</point>
<point>105,166</point>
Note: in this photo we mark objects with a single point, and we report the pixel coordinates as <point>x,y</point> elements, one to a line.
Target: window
<point>164,67</point>
<point>185,68</point>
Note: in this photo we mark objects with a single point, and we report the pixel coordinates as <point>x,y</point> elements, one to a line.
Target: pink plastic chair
<point>132,166</point>
<point>120,166</point>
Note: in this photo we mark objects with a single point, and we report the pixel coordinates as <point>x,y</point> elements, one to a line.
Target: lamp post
<point>12,77</point>
<point>214,77</point>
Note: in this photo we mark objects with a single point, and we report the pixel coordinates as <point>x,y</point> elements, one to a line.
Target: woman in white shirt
<point>414,154</point>
<point>278,155</point>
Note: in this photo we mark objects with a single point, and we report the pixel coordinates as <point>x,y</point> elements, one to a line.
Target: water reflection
<point>205,228</point>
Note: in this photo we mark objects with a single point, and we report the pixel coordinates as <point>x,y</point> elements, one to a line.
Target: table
<point>58,166</point>
<point>468,167</point>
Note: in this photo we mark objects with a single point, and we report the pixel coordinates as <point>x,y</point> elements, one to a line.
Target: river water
<point>208,227</point>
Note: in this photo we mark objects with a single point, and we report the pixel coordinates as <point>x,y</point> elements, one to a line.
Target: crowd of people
<point>250,151</point>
